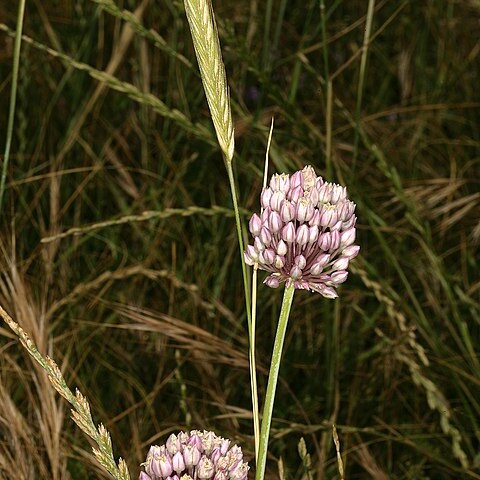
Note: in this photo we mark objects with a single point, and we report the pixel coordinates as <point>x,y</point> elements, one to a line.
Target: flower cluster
<point>195,455</point>
<point>305,233</point>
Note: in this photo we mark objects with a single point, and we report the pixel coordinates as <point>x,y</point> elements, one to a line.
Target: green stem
<point>329,95</point>
<point>13,96</point>
<point>361,79</point>
<point>253,365</point>
<point>238,222</point>
<point>272,380</point>
<point>246,286</point>
<point>323,23</point>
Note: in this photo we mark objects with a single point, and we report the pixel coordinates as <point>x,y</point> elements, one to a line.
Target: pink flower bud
<point>224,446</point>
<point>151,465</point>
<point>248,260</point>
<point>162,465</point>
<point>220,475</point>
<point>340,264</point>
<point>328,216</point>
<point>252,253</point>
<point>265,236</point>
<point>240,472</point>
<point>302,235</point>
<point>316,269</point>
<point>323,259</point>
<point>313,234</point>
<point>335,240</point>
<point>276,201</point>
<point>279,262</point>
<point>271,281</point>
<point>349,223</point>
<point>172,444</point>
<point>338,277</point>
<point>315,220</point>
<point>325,193</point>
<point>288,233</point>
<point>265,197</point>
<point>178,463</point>
<point>347,237</point>
<point>324,241</point>
<point>275,222</point>
<point>216,454</point>
<point>339,193</point>
<point>313,196</point>
<point>337,226</point>
<point>254,225</point>
<point>346,210</point>
<point>295,194</point>
<point>269,256</point>
<point>196,441</point>
<point>351,251</point>
<point>258,245</point>
<point>191,455</point>
<point>305,211</point>
<point>287,211</point>
<point>329,292</point>
<point>295,272</point>
<point>296,180</point>
<point>300,261</point>
<point>265,215</point>
<point>301,284</point>
<point>280,182</point>
<point>282,248</point>
<point>205,468</point>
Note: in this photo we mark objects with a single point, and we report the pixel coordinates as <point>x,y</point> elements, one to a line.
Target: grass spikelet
<point>415,359</point>
<point>207,48</point>
<point>81,409</point>
<point>142,217</point>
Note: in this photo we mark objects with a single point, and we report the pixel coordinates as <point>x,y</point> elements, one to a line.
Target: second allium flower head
<point>195,456</point>
<point>305,233</point>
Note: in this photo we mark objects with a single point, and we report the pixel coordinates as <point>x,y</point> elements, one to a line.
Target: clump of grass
<point>81,409</point>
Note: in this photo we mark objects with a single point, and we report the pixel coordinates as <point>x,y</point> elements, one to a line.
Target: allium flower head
<point>305,233</point>
<point>195,455</point>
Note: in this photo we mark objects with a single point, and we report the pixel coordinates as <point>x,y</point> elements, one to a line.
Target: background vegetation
<point>145,312</point>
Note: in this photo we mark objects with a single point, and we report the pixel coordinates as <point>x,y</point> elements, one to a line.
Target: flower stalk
<point>304,237</point>
<point>273,379</point>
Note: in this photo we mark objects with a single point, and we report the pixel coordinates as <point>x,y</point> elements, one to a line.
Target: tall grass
<point>141,302</point>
